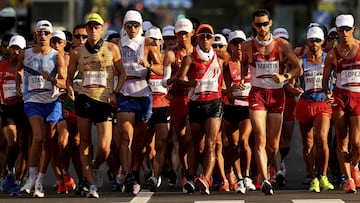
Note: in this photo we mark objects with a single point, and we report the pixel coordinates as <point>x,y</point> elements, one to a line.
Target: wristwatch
<point>286,76</point>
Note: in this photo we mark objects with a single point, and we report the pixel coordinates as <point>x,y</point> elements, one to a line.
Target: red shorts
<point>272,100</point>
<point>179,108</point>
<point>307,111</point>
<point>347,101</point>
<point>290,104</point>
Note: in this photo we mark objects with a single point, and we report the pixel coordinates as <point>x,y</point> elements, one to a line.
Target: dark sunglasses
<point>315,40</point>
<point>217,46</point>
<point>41,33</point>
<point>169,38</point>
<point>202,36</point>
<point>236,42</point>
<point>132,25</point>
<point>78,36</point>
<point>263,24</point>
<point>332,37</point>
<point>344,28</point>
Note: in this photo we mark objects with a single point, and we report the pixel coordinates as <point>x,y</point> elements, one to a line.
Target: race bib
<point>94,79</point>
<point>9,90</point>
<point>39,84</point>
<point>265,69</point>
<point>133,70</point>
<point>313,83</point>
<point>242,93</point>
<point>156,86</point>
<point>207,85</point>
<point>350,77</point>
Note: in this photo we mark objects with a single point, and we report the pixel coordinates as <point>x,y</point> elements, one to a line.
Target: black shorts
<point>200,111</point>
<point>97,111</point>
<point>160,115</point>
<point>235,114</point>
<point>14,115</point>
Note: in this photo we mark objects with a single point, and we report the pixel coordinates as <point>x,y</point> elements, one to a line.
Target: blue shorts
<point>51,112</point>
<point>141,106</point>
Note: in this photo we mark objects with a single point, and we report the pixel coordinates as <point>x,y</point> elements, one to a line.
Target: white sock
<point>40,178</point>
<point>32,173</point>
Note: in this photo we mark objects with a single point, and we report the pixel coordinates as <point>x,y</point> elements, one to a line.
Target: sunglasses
<point>169,38</point>
<point>344,28</point>
<point>332,37</point>
<point>202,36</point>
<point>132,25</point>
<point>217,46</point>
<point>263,24</point>
<point>78,36</point>
<point>41,33</point>
<point>315,40</point>
<point>236,42</point>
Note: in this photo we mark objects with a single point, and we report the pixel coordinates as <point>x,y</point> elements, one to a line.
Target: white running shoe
<point>93,192</point>
<point>39,190</point>
<point>249,185</point>
<point>241,187</point>
<point>28,186</point>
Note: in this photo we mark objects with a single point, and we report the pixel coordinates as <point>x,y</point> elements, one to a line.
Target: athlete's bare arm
<point>185,66</point>
<point>169,60</point>
<point>245,57</point>
<point>74,59</point>
<point>329,65</point>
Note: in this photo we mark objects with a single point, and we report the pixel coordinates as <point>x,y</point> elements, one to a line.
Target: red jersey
<point>8,85</point>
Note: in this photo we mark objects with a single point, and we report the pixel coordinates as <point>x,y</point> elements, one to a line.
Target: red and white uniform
<point>159,92</point>
<point>8,85</point>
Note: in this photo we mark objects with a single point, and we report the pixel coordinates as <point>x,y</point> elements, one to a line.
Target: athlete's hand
<point>278,78</point>
<point>298,91</point>
<point>71,93</point>
<point>112,101</point>
<point>329,97</point>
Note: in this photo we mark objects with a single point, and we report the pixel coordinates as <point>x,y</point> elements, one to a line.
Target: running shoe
<point>7,183</point>
<point>203,185</point>
<point>93,192</point>
<point>257,183</point>
<point>267,188</point>
<point>152,184</point>
<point>188,186</point>
<point>350,186</point>
<point>61,188</point>
<point>233,182</point>
<point>82,187</point>
<point>98,178</point>
<point>28,186</point>
<point>224,187</point>
<point>249,185</point>
<point>39,190</point>
<point>280,178</point>
<point>241,187</point>
<point>325,184</point>
<point>129,182</point>
<point>355,175</point>
<point>69,182</point>
<point>136,188</point>
<point>15,190</point>
<point>172,178</point>
<point>314,185</point>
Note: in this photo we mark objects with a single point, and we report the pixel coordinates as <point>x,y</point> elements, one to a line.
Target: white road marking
<point>317,201</point>
<point>142,197</point>
<point>221,201</point>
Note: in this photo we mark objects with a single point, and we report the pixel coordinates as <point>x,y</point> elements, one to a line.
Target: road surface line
<point>221,201</point>
<point>142,197</point>
<point>317,201</point>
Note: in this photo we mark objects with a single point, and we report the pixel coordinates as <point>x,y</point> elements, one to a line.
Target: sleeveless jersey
<point>176,89</point>
<point>209,77</point>
<point>36,88</point>
<point>97,73</point>
<point>159,93</point>
<point>8,85</point>
<point>241,96</point>
<point>136,84</point>
<point>311,80</point>
<point>263,66</point>
<point>348,72</point>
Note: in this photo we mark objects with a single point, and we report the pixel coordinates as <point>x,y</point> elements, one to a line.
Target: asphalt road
<point>294,191</point>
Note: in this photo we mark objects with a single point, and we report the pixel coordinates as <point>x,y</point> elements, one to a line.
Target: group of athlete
<point>224,102</point>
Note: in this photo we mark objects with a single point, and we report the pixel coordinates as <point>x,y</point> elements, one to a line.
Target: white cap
<point>315,32</point>
<point>281,32</point>
<point>7,12</point>
<point>226,31</point>
<point>154,32</point>
<point>344,20</point>
<point>59,34</point>
<point>17,40</point>
<point>220,39</point>
<point>44,25</point>
<point>333,29</point>
<point>146,25</point>
<point>133,15</point>
<point>168,30</point>
<point>108,33</point>
<point>183,24</point>
<point>237,34</point>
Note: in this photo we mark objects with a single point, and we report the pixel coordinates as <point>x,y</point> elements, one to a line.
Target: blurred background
<point>232,14</point>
